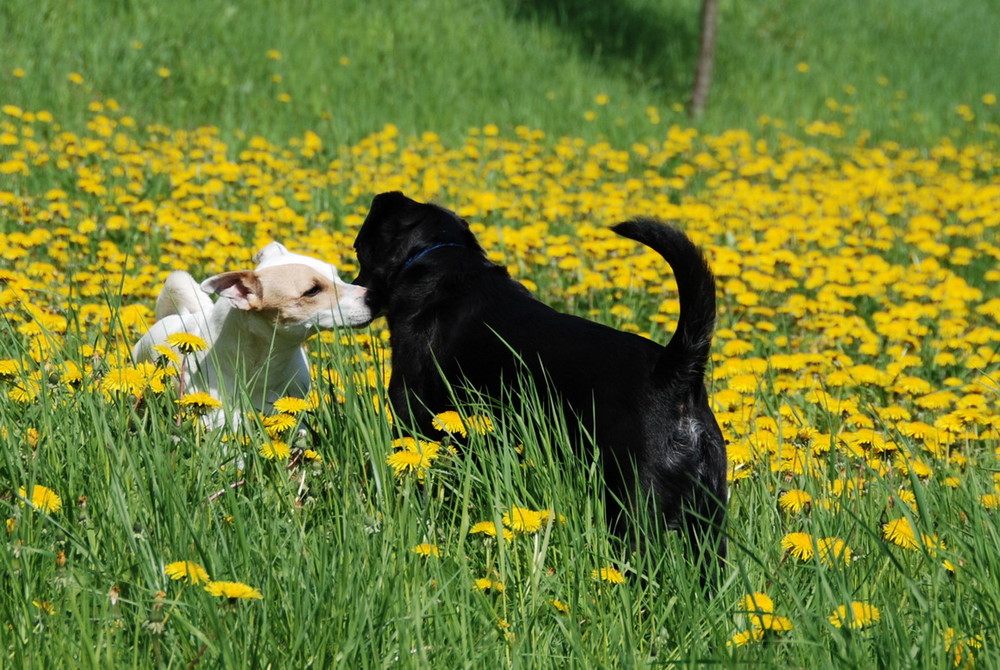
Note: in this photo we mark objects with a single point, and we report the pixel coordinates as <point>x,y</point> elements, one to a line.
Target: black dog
<point>457,320</point>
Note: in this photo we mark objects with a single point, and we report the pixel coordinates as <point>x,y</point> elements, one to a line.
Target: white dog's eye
<point>313,291</point>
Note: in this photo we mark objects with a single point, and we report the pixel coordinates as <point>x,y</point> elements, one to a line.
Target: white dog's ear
<point>272,250</point>
<point>242,288</point>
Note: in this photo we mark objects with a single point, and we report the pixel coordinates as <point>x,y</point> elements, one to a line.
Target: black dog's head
<point>395,232</point>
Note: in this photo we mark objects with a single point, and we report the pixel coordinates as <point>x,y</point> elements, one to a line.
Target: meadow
<point>855,369</point>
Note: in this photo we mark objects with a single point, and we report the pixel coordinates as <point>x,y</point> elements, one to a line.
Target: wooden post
<point>706,53</point>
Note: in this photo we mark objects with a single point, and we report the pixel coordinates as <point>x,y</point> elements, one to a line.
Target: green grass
<point>330,549</point>
<point>447,66</point>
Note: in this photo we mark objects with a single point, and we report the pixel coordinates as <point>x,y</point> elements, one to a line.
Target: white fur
<point>255,330</point>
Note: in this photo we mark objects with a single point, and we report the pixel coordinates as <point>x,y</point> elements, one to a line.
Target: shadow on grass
<point>653,44</point>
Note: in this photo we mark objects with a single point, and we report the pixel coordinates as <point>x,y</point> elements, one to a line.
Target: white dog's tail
<point>181,295</point>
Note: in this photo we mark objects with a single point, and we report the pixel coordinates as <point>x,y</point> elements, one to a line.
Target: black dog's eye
<point>313,291</point>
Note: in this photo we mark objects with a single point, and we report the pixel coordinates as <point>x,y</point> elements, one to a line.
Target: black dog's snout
<point>374,301</point>
<point>373,296</point>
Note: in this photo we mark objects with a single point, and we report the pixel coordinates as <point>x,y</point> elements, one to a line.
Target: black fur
<point>454,315</point>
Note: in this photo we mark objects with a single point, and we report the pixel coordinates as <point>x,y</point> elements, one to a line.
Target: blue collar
<point>415,257</point>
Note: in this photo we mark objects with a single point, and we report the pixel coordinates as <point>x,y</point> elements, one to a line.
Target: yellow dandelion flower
<point>608,574</point>
<point>42,498</point>
<point>795,500</point>
<point>233,591</point>
<point>312,456</point>
<point>166,354</point>
<point>187,343</point>
<point>276,424</point>
<point>490,529</point>
<point>746,637</point>
<point>485,528</point>
<point>756,603</point>
<point>916,429</point>
<point>960,646</point>
<point>772,622</point>
<point>408,443</point>
<point>426,549</point>
<point>9,369</point>
<point>990,501</point>
<point>45,606</point>
<point>799,545</point>
<point>71,375</point>
<point>894,413</point>
<point>560,606</point>
<point>855,615</point>
<point>902,533</point>
<point>414,456</point>
<point>189,571</point>
<point>833,550</point>
<point>488,585</point>
<point>275,450</point>
<point>932,543</point>
<point>25,392</point>
<point>524,520</point>
<point>479,423</point>
<point>548,516</point>
<point>404,461</point>
<point>450,422</point>
<point>743,384</point>
<point>908,497</point>
<point>133,380</point>
<point>199,403</point>
<point>291,405</point>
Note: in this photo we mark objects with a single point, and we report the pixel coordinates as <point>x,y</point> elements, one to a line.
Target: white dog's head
<point>292,291</point>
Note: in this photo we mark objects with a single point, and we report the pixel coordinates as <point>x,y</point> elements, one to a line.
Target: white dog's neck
<point>246,347</point>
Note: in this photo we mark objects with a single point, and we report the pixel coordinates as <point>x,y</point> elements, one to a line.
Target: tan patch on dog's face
<point>299,295</point>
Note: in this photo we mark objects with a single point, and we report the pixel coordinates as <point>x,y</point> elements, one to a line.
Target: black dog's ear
<point>388,203</point>
<point>385,210</point>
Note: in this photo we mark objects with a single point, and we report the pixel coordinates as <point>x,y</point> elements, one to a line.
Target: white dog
<point>255,330</point>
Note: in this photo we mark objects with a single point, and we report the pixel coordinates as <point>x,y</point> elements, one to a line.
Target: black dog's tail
<point>686,355</point>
